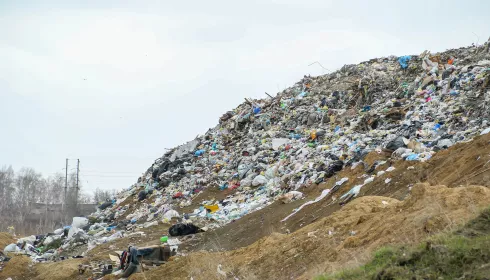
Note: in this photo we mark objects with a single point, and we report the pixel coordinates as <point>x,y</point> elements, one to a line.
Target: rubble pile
<point>267,150</point>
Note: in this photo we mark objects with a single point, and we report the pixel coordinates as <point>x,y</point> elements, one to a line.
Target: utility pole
<point>66,179</point>
<point>63,205</point>
<point>78,171</point>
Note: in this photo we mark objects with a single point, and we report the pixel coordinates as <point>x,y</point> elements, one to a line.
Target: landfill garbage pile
<point>267,150</point>
<point>270,149</point>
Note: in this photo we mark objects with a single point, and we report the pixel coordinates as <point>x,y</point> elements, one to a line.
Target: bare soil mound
<point>60,270</point>
<point>346,238</point>
<point>18,268</point>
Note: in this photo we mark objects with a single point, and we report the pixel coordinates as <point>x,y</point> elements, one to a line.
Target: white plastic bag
<point>79,222</point>
<point>11,248</point>
<point>171,214</point>
<point>259,181</point>
<point>28,239</point>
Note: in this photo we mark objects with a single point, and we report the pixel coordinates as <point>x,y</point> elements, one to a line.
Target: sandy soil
<point>18,268</point>
<point>345,238</point>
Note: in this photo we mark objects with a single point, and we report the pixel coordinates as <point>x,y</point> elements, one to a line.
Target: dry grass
<point>5,239</point>
<point>462,254</point>
<point>67,269</point>
<point>19,268</point>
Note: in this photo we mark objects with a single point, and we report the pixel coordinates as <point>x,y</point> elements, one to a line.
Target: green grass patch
<point>463,254</point>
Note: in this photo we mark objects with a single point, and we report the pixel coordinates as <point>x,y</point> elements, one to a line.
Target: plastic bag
<point>79,222</point>
<point>247,182</point>
<point>11,248</point>
<point>403,60</point>
<point>171,214</point>
<point>259,181</point>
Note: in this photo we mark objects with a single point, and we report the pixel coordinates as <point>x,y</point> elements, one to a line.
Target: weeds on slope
<point>462,254</point>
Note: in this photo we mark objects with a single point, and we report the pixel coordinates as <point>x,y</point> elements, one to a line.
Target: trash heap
<point>269,149</point>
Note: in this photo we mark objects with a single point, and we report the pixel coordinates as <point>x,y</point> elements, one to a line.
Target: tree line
<point>32,203</point>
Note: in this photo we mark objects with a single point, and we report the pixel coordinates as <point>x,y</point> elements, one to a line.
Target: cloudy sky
<point>114,83</point>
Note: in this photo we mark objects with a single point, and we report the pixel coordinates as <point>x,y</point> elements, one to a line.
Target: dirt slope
<point>60,270</point>
<point>461,254</point>
<point>461,165</point>
<point>18,268</point>
<point>343,239</point>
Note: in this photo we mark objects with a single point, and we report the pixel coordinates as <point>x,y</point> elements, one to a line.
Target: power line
<point>109,172</point>
<point>121,157</point>
<point>110,176</point>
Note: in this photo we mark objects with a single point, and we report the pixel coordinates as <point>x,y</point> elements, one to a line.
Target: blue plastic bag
<point>413,157</point>
<point>223,187</point>
<point>295,136</point>
<point>199,153</point>
<point>403,60</point>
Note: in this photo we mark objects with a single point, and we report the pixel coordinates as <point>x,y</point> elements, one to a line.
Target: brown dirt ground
<point>21,268</point>
<point>18,268</point>
<point>67,269</point>
<point>462,165</point>
<point>355,231</point>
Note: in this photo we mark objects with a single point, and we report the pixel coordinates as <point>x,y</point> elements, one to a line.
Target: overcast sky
<point>114,83</point>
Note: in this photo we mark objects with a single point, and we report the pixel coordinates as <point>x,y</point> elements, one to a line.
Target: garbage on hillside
<point>269,150</point>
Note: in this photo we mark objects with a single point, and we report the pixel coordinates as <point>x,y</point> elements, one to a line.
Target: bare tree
<point>101,195</point>
<point>7,189</point>
<point>56,185</point>
<point>32,203</point>
<point>27,183</point>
